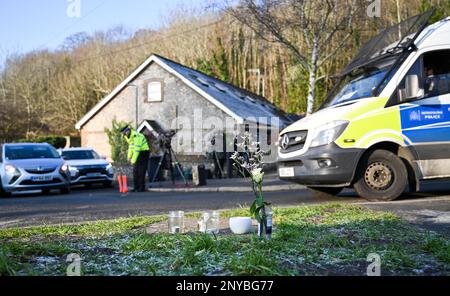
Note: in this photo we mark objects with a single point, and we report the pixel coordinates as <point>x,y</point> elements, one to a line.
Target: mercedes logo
<point>285,142</point>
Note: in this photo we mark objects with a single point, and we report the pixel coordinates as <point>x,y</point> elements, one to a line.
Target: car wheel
<point>381,176</point>
<point>323,192</point>
<point>107,184</point>
<point>4,193</point>
<point>65,190</point>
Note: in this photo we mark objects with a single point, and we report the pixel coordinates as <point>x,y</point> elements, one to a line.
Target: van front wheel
<point>381,176</point>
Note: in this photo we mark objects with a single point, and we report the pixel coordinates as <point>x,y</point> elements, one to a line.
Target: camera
<point>165,137</point>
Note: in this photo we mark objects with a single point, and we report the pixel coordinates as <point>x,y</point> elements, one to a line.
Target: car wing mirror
<point>374,92</point>
<point>412,88</point>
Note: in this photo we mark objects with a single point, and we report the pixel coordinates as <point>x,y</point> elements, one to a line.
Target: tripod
<point>169,154</point>
<point>216,158</point>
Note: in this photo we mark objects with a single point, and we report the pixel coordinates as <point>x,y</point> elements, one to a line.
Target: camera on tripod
<point>165,139</point>
<point>165,142</point>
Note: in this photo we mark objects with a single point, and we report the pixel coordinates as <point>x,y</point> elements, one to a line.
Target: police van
<point>385,127</point>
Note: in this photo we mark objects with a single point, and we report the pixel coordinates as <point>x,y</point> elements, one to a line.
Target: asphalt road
<point>430,210</point>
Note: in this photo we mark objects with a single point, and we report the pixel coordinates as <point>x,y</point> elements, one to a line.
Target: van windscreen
<point>354,87</point>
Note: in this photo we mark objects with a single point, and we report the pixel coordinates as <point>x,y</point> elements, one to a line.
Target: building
<point>199,107</point>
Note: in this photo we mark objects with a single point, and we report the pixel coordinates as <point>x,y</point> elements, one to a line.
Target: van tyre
<point>381,176</point>
<point>324,192</point>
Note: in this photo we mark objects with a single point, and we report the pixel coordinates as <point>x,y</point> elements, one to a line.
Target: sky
<point>26,25</point>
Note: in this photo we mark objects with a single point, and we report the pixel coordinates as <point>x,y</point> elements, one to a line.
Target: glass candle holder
<point>176,222</point>
<point>211,222</point>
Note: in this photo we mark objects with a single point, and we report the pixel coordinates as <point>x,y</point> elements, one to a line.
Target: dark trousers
<point>140,170</point>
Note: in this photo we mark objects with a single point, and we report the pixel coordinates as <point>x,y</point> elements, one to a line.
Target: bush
<point>55,141</point>
<point>119,146</point>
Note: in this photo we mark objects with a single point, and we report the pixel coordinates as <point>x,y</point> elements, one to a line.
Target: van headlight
<point>328,133</point>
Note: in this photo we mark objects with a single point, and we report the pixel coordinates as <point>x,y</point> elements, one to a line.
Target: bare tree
<point>305,27</point>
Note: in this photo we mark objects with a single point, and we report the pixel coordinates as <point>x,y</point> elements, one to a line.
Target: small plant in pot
<point>249,164</point>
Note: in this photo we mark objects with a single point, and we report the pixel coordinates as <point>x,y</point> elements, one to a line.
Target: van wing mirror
<point>412,88</point>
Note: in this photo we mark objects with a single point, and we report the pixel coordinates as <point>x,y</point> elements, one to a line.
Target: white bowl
<point>240,225</point>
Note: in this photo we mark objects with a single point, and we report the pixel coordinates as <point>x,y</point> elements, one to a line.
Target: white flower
<point>235,155</point>
<point>257,175</point>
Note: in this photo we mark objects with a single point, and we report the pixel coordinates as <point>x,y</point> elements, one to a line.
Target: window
<point>428,77</point>
<point>154,91</point>
<point>15,152</point>
<point>221,88</point>
<point>203,81</point>
<point>79,154</point>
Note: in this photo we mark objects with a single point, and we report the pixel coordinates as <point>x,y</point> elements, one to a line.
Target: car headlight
<point>11,170</point>
<point>65,168</point>
<point>328,133</point>
<point>109,169</point>
<point>73,171</point>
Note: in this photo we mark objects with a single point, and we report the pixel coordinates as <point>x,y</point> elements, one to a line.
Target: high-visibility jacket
<point>136,144</point>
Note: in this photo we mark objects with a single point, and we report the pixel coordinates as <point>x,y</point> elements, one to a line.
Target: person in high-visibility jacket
<point>138,156</point>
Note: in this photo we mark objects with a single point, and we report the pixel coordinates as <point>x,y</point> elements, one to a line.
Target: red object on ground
<point>124,184</point>
<point>119,178</point>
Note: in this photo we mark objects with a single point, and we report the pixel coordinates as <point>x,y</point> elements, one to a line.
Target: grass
<point>314,240</point>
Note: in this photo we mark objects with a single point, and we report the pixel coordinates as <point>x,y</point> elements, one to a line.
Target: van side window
<point>428,77</point>
<point>436,73</point>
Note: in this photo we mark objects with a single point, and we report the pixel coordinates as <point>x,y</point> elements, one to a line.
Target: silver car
<point>87,167</point>
<point>31,166</point>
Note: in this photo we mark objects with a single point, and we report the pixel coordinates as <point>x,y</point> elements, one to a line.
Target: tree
<point>119,145</point>
<point>305,27</point>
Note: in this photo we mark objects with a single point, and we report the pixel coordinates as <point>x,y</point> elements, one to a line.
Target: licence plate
<point>41,178</point>
<point>93,174</point>
<point>286,172</point>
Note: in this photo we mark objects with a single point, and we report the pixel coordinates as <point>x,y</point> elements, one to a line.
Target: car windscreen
<point>30,152</point>
<point>79,155</point>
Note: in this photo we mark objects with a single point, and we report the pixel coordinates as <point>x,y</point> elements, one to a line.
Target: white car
<point>87,167</point>
<point>32,166</point>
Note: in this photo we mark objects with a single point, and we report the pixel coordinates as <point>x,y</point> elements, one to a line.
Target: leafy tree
<point>316,23</point>
<point>217,66</point>
<point>119,145</point>
<point>55,141</point>
<point>442,10</point>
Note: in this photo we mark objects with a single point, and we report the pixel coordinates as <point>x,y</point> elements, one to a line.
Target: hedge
<point>55,141</point>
